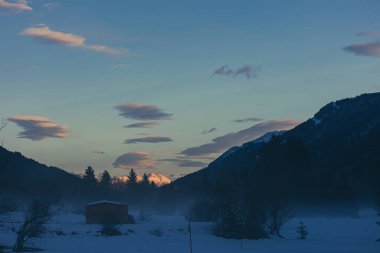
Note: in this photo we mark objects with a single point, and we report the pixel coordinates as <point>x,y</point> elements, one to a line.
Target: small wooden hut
<point>106,212</point>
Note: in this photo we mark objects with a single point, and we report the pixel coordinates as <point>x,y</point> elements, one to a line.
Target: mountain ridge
<point>341,141</point>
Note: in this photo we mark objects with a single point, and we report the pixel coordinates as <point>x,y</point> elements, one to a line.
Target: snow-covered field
<point>169,234</point>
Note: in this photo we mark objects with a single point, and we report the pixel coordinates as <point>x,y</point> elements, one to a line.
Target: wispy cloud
<point>148,140</point>
<point>209,131</point>
<point>222,143</point>
<point>136,159</point>
<point>124,66</point>
<point>47,35</point>
<point>223,70</point>
<point>99,152</point>
<point>184,163</point>
<point>245,120</point>
<point>368,33</point>
<point>194,164</point>
<point>142,112</point>
<point>246,70</point>
<point>367,49</point>
<point>146,124</point>
<point>38,128</point>
<point>51,6</point>
<point>16,6</point>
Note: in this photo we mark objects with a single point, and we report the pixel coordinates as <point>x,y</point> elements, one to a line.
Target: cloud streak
<point>37,128</point>
<point>245,120</point>
<point>368,33</point>
<point>136,159</point>
<point>142,112</point>
<point>51,6</point>
<point>148,140</point>
<point>367,49</point>
<point>223,70</point>
<point>184,163</point>
<point>146,124</point>
<point>246,70</point>
<point>17,6</point>
<point>222,143</point>
<point>209,131</point>
<point>47,35</point>
<point>99,152</point>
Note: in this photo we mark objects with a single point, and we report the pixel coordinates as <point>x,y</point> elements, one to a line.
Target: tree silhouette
<point>145,180</point>
<point>105,179</point>
<point>132,179</point>
<point>89,176</point>
<point>302,231</point>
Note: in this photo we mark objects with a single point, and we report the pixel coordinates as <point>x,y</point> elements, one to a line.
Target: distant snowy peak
<point>158,179</point>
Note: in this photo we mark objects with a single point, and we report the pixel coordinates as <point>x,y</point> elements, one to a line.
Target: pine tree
<point>132,178</point>
<point>302,231</point>
<point>89,176</point>
<point>145,180</point>
<point>105,179</point>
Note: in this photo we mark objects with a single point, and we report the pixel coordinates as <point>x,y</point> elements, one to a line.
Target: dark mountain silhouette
<point>25,177</point>
<point>332,158</point>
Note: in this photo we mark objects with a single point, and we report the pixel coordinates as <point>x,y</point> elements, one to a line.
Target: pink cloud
<point>18,6</point>
<point>37,128</point>
<point>47,35</point>
<point>367,49</point>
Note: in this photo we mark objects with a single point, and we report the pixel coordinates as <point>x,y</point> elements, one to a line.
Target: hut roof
<point>104,202</point>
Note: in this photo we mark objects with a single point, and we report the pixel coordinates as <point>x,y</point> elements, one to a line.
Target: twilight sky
<point>167,86</point>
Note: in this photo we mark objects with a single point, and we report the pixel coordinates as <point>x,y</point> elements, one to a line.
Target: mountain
<point>23,176</point>
<point>158,179</point>
<point>333,156</point>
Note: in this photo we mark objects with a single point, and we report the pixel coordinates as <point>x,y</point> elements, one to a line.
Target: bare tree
<point>278,213</point>
<point>34,225</point>
<point>3,124</point>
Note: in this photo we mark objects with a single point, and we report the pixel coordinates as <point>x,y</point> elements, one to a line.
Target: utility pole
<point>191,242</point>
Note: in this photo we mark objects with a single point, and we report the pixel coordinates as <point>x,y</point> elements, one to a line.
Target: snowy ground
<point>346,235</point>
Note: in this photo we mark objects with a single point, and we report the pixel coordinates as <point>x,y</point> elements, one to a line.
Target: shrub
<point>59,233</point>
<point>131,219</point>
<point>302,231</point>
<point>110,230</point>
<point>241,221</point>
<point>157,232</point>
<point>144,216</point>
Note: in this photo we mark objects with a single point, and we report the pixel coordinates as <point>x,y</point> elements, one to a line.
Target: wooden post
<point>191,242</point>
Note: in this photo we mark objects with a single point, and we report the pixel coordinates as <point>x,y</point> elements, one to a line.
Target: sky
<point>167,86</point>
